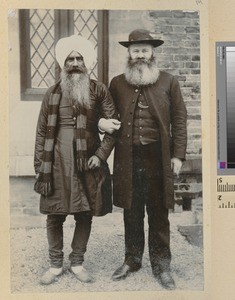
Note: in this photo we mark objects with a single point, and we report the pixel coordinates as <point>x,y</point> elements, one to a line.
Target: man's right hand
<point>109,125</point>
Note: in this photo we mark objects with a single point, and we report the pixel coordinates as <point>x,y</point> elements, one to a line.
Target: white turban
<point>75,43</point>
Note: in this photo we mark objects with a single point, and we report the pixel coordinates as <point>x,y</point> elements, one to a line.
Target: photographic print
<point>150,100</point>
<point>34,66</point>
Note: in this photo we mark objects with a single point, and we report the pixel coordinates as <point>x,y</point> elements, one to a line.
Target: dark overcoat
<point>168,109</point>
<point>97,182</point>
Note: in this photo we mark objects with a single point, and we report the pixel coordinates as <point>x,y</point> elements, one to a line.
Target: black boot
<point>123,271</point>
<point>166,280</point>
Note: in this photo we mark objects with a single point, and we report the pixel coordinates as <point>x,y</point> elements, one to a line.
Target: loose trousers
<point>80,238</point>
<point>147,192</point>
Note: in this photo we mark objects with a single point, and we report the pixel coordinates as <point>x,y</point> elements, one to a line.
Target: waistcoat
<point>145,128</point>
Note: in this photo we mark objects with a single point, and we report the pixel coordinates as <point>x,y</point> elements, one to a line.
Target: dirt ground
<point>29,259</point>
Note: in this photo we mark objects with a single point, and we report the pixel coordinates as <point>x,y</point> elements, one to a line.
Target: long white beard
<point>76,87</point>
<point>141,72</point>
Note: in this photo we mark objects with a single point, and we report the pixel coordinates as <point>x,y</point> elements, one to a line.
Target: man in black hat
<point>151,146</point>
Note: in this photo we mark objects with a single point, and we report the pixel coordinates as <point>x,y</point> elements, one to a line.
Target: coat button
<point>136,90</point>
<point>74,118</point>
<point>129,123</point>
<point>128,135</point>
<point>133,101</point>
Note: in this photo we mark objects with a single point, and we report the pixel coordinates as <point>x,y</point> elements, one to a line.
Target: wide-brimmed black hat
<point>141,36</point>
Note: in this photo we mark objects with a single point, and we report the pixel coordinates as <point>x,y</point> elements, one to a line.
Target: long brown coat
<point>168,109</point>
<point>98,181</point>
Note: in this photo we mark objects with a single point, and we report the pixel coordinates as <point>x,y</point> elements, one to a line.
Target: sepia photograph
<point>105,150</point>
<point>116,161</point>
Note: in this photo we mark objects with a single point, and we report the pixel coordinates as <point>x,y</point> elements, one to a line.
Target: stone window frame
<point>64,26</point>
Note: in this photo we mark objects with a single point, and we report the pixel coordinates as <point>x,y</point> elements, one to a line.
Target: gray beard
<point>141,72</point>
<point>76,87</point>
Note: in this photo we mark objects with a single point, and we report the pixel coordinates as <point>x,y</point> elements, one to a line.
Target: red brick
<point>192,15</point>
<point>195,58</point>
<point>160,13</point>
<point>195,71</point>
<point>192,29</point>
<point>182,57</point>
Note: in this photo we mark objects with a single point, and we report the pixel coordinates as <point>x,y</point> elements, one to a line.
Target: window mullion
<point>103,42</point>
<point>24,36</point>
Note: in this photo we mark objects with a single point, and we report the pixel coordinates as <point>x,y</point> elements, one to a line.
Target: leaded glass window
<point>40,29</point>
<point>42,38</point>
<point>85,24</point>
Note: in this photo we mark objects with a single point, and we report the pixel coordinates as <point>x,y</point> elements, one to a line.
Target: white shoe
<point>81,274</point>
<point>51,275</point>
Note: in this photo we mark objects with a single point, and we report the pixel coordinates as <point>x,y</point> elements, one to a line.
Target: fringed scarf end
<point>82,164</point>
<point>43,188</point>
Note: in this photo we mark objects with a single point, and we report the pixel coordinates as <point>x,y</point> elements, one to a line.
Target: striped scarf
<point>43,184</point>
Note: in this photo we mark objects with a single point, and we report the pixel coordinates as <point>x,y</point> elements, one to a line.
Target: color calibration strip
<point>225,93</point>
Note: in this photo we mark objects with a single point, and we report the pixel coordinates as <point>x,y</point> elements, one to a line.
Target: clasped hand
<point>94,162</point>
<point>109,125</point>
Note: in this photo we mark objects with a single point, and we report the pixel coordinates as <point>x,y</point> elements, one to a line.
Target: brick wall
<point>179,55</point>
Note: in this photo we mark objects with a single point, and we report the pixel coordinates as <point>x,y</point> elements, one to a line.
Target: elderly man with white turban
<point>70,159</point>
